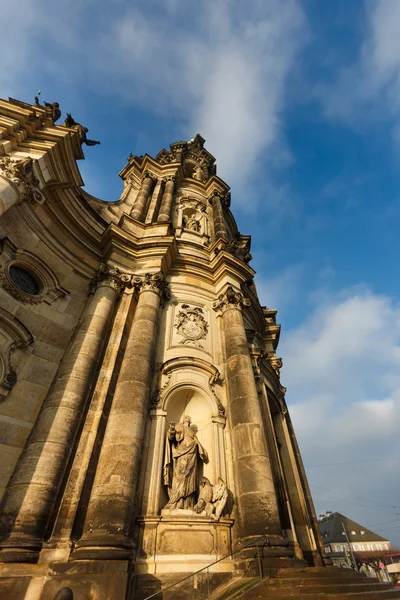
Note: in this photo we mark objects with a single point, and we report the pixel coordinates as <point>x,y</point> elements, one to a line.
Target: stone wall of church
<point>34,329</point>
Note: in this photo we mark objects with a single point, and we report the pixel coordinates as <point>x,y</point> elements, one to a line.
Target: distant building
<point>344,539</point>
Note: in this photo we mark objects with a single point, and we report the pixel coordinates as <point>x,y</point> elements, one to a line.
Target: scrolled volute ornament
<point>154,282</point>
<point>110,276</point>
<point>275,362</point>
<point>20,173</point>
<point>230,299</point>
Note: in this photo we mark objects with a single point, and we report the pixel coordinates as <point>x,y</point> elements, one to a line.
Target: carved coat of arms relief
<point>191,325</point>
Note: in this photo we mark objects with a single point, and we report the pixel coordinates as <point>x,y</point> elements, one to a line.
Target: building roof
<point>331,527</point>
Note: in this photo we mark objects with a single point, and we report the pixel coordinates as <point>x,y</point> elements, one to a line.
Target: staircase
<point>312,583</point>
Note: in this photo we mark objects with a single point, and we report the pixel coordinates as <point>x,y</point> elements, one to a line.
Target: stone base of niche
<point>87,579</point>
<point>182,541</point>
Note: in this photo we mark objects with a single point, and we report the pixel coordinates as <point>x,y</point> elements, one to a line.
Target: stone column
<point>155,201</point>
<point>257,508</point>
<point>33,488</point>
<point>166,203</point>
<point>18,183</point>
<point>139,208</point>
<point>107,530</point>
<point>218,214</point>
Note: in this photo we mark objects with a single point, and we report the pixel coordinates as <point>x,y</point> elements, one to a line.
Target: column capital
<point>20,172</point>
<point>170,179</point>
<point>148,175</point>
<point>154,282</point>
<point>110,276</point>
<point>230,299</point>
<point>215,194</point>
<point>223,197</point>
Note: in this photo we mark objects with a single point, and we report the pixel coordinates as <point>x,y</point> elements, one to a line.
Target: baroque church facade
<point>143,426</point>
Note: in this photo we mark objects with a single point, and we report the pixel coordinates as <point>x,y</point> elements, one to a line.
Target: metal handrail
<point>249,545</point>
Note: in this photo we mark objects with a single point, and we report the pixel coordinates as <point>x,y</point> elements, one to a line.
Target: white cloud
<point>224,71</point>
<point>371,85</point>
<point>342,369</point>
<point>220,67</point>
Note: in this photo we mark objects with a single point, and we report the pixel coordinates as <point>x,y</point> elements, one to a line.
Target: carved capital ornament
<point>110,276</point>
<point>20,173</point>
<point>154,282</point>
<point>170,179</point>
<point>148,175</point>
<point>230,299</point>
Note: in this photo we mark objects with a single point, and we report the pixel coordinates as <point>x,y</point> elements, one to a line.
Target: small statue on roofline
<point>53,106</point>
<point>82,131</point>
<point>70,122</point>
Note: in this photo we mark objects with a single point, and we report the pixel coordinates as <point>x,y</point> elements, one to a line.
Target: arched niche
<point>191,220</point>
<point>13,335</point>
<point>188,392</point>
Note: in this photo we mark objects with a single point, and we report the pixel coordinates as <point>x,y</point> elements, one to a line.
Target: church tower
<point>143,424</point>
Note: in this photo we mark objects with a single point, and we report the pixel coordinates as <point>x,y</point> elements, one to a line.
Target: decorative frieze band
<point>20,173</point>
<point>230,299</point>
<point>110,276</point>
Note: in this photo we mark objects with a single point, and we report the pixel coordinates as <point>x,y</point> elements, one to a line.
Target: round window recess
<point>24,280</point>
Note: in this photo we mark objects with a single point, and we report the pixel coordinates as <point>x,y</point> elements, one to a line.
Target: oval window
<point>24,280</point>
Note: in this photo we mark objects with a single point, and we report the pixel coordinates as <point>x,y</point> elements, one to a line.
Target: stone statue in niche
<point>191,223</point>
<point>183,454</point>
<point>212,498</point>
<point>191,325</point>
<point>198,173</point>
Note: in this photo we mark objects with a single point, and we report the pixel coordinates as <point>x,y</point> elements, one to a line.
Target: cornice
<point>148,164</point>
<point>26,130</point>
<point>181,362</point>
<point>143,243</point>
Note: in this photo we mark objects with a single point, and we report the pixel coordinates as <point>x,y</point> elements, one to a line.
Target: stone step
<point>305,583</point>
<point>370,592</point>
<point>317,572</point>
<point>254,589</point>
<point>385,595</point>
<point>323,588</point>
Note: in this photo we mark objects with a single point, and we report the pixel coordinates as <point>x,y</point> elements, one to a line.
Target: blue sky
<point>299,101</point>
